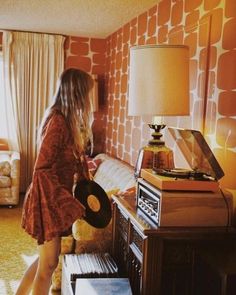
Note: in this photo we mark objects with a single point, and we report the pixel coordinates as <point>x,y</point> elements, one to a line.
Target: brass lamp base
<point>155,154</point>
<point>156,134</point>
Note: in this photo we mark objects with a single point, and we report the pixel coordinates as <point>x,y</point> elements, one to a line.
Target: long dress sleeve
<point>50,209</point>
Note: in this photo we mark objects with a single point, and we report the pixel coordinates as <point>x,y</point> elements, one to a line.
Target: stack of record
<point>90,265</point>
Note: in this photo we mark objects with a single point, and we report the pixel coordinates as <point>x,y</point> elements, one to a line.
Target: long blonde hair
<point>72,100</point>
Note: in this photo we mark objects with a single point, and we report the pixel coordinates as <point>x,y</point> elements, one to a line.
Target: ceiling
<point>90,18</point>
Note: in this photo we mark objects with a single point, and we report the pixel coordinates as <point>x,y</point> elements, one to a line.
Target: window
<point>3,125</point>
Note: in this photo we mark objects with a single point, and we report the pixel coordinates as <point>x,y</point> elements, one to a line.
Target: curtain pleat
<point>32,64</point>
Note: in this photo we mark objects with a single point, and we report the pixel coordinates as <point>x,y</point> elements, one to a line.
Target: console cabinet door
<point>135,261</point>
<point>120,241</point>
<point>136,254</point>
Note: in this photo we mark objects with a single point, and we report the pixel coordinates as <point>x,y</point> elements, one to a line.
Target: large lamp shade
<point>159,80</point>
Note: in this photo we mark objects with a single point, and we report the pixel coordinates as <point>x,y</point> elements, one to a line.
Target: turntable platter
<point>167,182</point>
<point>183,173</point>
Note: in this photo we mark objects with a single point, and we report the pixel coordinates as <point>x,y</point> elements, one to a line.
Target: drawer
<point>137,239</point>
<point>123,225</point>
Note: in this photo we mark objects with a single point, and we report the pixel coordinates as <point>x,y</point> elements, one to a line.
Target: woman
<point>49,208</point>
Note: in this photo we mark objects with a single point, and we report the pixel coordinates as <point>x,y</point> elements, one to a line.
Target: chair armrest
<point>15,167</point>
<point>15,176</point>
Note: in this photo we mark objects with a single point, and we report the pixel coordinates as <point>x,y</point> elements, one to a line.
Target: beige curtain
<point>32,64</point>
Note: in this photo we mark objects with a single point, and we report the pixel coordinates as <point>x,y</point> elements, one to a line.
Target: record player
<point>202,173</point>
<point>185,197</point>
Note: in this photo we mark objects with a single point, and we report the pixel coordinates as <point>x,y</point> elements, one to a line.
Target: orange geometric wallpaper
<point>208,28</point>
<point>88,54</point>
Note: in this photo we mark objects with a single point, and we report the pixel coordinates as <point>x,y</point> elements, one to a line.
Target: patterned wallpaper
<point>89,54</point>
<point>208,27</point>
<point>86,53</point>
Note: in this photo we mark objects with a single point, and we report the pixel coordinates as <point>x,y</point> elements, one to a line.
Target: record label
<point>96,202</point>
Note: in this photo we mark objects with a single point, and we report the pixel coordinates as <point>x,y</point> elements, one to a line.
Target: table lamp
<point>158,86</point>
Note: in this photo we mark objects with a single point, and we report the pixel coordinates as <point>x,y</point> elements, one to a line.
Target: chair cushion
<point>5,195</point>
<point>113,173</point>
<point>5,168</point>
<point>5,181</point>
<point>67,244</point>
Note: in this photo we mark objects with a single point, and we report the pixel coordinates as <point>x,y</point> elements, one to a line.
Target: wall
<point>88,54</point>
<point>208,28</point>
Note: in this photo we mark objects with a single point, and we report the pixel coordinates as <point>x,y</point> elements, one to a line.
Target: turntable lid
<point>196,151</point>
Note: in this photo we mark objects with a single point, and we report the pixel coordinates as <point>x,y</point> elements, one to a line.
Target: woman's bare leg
<point>48,260</point>
<point>27,280</point>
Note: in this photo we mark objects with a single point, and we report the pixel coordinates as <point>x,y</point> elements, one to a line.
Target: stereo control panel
<point>148,200</point>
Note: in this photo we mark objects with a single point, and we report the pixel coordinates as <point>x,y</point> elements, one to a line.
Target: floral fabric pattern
<point>49,208</point>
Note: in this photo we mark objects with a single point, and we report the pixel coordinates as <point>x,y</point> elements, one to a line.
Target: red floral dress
<point>49,208</point>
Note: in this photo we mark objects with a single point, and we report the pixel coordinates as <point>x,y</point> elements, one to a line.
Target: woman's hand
<point>75,181</point>
<point>130,192</point>
<point>76,178</point>
<point>82,168</point>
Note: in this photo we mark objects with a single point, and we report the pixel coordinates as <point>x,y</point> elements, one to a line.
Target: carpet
<point>17,249</point>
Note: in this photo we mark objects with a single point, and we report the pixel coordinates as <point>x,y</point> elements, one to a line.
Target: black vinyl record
<point>86,189</point>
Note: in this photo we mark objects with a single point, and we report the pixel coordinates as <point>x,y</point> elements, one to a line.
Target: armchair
<point>9,177</point>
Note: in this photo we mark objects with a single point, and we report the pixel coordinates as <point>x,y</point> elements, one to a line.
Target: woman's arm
<point>53,140</point>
